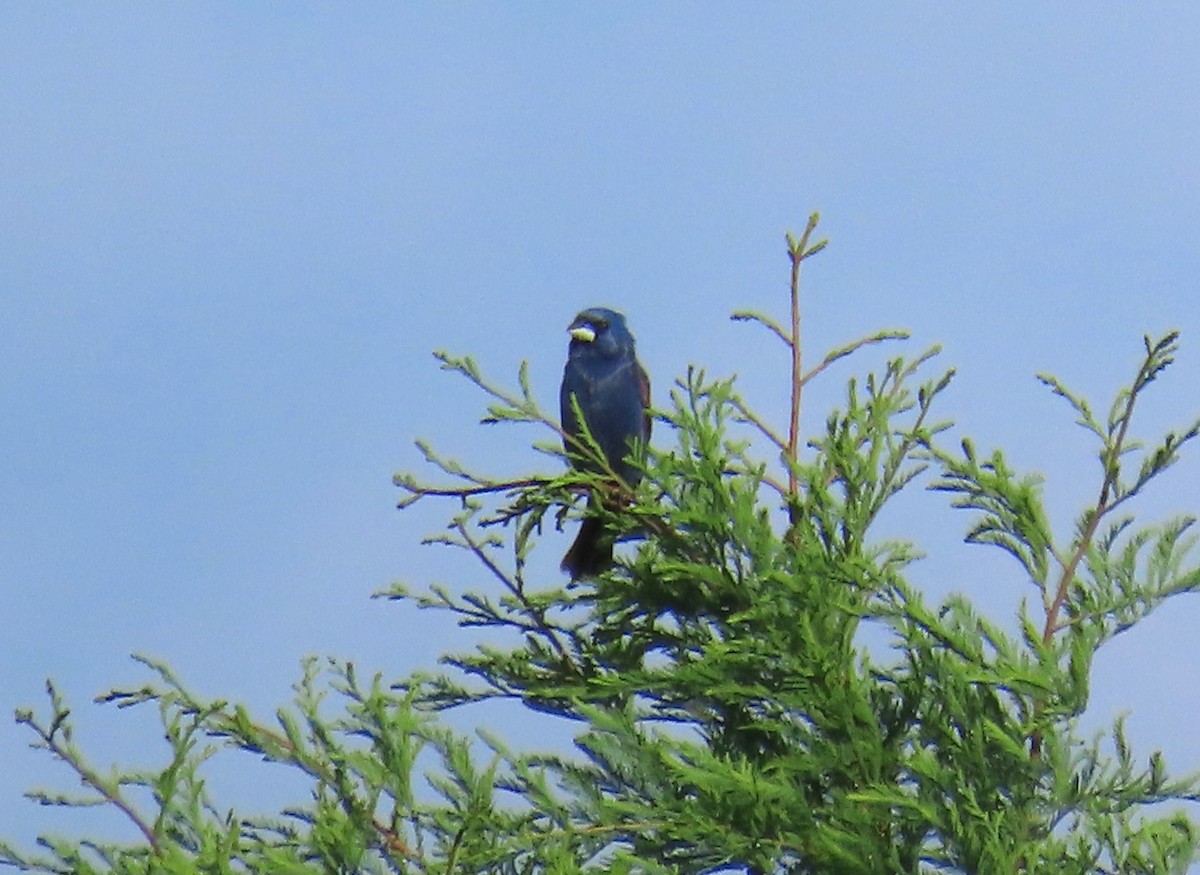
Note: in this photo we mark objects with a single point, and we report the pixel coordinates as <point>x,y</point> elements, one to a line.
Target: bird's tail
<point>592,551</point>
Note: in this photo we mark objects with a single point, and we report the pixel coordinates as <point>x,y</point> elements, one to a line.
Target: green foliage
<point>727,712</point>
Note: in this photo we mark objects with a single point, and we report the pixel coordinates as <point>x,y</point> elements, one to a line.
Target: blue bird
<point>612,392</point>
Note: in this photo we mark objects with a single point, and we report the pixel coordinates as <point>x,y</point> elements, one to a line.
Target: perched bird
<point>612,392</point>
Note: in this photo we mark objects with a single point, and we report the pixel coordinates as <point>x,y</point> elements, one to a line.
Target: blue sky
<point>232,234</point>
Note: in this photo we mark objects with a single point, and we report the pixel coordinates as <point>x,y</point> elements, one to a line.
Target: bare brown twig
<point>797,252</point>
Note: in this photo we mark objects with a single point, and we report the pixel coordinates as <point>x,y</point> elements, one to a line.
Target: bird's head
<point>601,332</point>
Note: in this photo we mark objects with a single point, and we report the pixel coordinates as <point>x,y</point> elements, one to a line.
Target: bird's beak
<point>582,333</point>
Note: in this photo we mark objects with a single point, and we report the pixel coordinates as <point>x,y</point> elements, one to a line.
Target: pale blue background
<point>231,234</point>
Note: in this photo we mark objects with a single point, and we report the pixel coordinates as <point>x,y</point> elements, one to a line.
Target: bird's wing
<point>643,381</point>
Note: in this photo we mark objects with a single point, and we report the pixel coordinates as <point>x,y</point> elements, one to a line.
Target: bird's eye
<point>600,324</point>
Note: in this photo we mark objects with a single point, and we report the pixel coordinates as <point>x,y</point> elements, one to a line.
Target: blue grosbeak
<point>612,392</point>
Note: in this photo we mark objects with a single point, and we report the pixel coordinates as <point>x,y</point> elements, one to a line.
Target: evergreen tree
<point>727,713</point>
